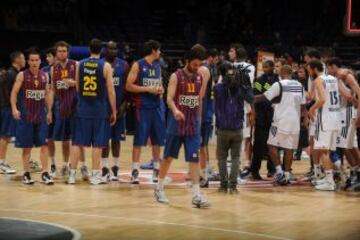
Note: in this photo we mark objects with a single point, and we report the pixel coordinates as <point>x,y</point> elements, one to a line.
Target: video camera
<point>235,75</point>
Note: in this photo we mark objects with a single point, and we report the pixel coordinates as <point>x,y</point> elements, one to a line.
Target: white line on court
<point>76,234</point>
<point>268,236</point>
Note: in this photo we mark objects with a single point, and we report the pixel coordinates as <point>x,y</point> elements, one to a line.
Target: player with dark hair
<point>185,92</point>
<point>145,83</point>
<point>7,126</point>
<point>30,97</point>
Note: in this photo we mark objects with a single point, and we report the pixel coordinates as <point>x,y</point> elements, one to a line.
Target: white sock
<point>196,189</point>
<point>135,165</point>
<point>156,165</point>
<point>72,171</point>
<point>246,163</point>
<point>105,162</point>
<point>355,168</point>
<point>287,175</point>
<point>116,161</point>
<point>317,169</point>
<point>83,164</point>
<point>337,164</point>
<point>279,169</point>
<point>2,161</point>
<point>204,173</point>
<point>161,184</point>
<point>95,172</point>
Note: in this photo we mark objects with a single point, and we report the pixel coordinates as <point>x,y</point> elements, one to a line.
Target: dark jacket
<point>264,111</point>
<point>6,84</point>
<point>229,106</point>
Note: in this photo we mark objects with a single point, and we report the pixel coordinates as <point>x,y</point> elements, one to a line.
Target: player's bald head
<point>111,44</point>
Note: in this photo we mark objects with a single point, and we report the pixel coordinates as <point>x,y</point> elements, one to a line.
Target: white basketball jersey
<point>328,115</point>
<point>287,112</point>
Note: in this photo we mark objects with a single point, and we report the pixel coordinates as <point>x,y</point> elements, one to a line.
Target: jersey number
<point>334,99</point>
<point>90,83</point>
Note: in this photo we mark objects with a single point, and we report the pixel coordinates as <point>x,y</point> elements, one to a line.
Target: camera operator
<point>230,93</point>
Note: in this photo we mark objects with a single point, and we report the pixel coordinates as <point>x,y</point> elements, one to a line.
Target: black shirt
<point>6,84</point>
<point>264,110</point>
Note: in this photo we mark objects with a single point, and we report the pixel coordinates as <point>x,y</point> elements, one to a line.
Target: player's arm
<point>77,77</point>
<point>319,88</point>
<point>345,94</point>
<point>111,92</point>
<point>170,98</point>
<point>353,84</point>
<point>49,99</point>
<point>205,74</point>
<point>131,86</point>
<point>126,99</point>
<point>14,93</point>
<point>273,92</point>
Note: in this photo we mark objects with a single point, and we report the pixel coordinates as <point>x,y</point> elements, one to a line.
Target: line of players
<point>85,102</point>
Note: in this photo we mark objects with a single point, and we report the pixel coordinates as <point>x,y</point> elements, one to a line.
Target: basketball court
<point>122,211</point>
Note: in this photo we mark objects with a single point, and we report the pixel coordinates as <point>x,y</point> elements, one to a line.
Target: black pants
<point>260,149</point>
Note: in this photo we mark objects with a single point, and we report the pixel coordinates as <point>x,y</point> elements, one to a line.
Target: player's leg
<point>115,149</point>
<point>142,131</point>
<point>4,166</point>
<point>171,150</point>
<point>157,136</point>
<point>40,140</point>
<point>7,130</point>
<point>327,184</point>
<point>192,149</point>
<point>288,159</point>
<point>26,152</point>
<point>100,138</point>
<point>51,147</point>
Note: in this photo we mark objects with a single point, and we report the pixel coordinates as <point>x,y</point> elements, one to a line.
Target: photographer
<point>230,94</point>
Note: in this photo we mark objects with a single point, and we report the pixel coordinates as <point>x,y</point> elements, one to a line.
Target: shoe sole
<point>201,206</point>
<point>30,183</point>
<point>49,183</point>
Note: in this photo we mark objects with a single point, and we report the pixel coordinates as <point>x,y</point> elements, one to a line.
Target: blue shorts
<point>118,130</point>
<point>62,129</point>
<point>191,145</point>
<point>206,133</point>
<point>91,132</point>
<point>150,123</point>
<point>7,124</point>
<point>30,135</point>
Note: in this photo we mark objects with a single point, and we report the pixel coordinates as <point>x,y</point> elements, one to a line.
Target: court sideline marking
<point>268,236</point>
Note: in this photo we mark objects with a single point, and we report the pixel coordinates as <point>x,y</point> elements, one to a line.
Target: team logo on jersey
<point>36,83</point>
<point>35,94</point>
<point>61,85</point>
<point>189,101</point>
<point>116,81</point>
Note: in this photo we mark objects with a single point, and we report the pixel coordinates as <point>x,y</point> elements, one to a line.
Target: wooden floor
<point>122,211</point>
